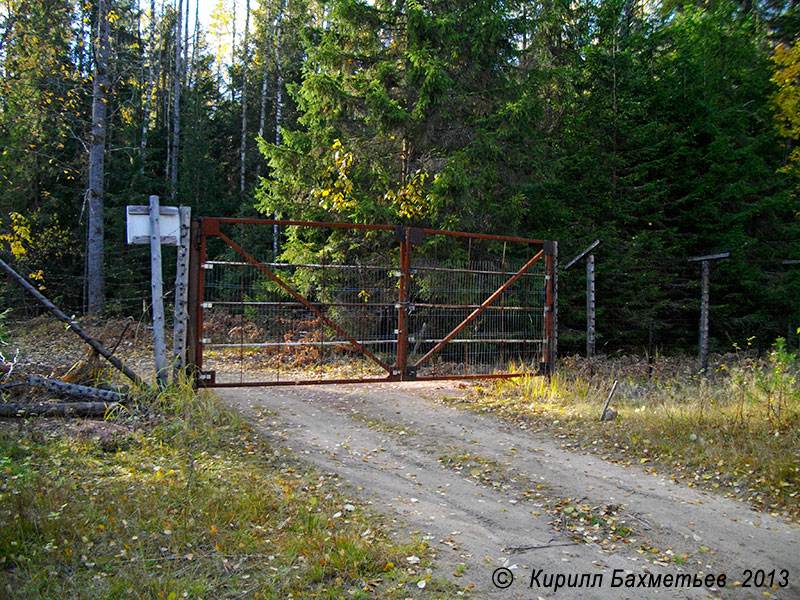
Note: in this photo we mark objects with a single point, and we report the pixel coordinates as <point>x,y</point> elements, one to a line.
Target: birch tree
<point>278,101</point>
<point>245,60</point>
<point>176,110</point>
<point>149,89</point>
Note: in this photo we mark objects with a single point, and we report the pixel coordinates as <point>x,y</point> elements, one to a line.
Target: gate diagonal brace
<point>303,301</point>
<point>486,303</point>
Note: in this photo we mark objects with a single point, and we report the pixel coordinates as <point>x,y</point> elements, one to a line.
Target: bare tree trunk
<point>176,109</point>
<point>278,102</point>
<point>278,76</point>
<point>195,35</point>
<point>186,45</point>
<point>263,116</point>
<point>262,119</point>
<point>192,80</point>
<point>148,91</point>
<point>245,59</point>
<point>233,44</point>
<point>165,57</point>
<point>94,259</point>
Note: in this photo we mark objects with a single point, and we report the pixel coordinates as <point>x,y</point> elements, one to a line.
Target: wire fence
<point>359,287</point>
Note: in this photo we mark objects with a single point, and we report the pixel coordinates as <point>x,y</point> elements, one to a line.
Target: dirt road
<point>498,501</point>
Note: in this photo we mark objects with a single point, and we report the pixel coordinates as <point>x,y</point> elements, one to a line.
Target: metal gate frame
<point>407,237</point>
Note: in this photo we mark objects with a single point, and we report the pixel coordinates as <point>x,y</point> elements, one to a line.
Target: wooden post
<point>590,305</point>
<point>193,304</point>
<point>650,350</point>
<point>181,295</point>
<point>550,346</point>
<point>156,287</point>
<point>704,316</point>
<point>554,331</point>
<point>590,294</point>
<point>402,311</point>
<point>704,304</point>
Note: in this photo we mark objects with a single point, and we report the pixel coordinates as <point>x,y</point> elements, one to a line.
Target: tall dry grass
<point>735,428</point>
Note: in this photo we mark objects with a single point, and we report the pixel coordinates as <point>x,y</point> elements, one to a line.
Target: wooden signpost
<point>156,287</point>
<point>164,225</point>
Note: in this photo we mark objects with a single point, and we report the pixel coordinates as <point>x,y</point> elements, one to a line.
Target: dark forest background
<point>668,129</point>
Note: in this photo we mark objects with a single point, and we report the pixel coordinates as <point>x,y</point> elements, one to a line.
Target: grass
<point>480,468</point>
<point>186,502</point>
<point>735,430</point>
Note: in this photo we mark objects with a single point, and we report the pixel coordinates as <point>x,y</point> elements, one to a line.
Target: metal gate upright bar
<point>402,307</point>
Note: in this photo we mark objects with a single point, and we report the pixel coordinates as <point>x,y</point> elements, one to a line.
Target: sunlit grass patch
<point>193,504</point>
<point>736,429</point>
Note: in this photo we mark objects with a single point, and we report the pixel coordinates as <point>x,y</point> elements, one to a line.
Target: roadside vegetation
<point>735,430</point>
<point>178,498</point>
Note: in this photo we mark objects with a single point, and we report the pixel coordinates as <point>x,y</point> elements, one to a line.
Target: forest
<point>667,129</point>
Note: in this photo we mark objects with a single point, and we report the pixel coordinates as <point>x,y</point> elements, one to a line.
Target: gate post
<point>550,350</point>
<point>554,333</point>
<point>194,325</point>
<point>404,233</point>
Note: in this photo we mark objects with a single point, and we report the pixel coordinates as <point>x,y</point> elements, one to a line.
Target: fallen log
<point>72,389</point>
<point>101,350</point>
<point>58,409</point>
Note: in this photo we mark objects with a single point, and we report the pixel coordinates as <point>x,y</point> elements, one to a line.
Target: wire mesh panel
<point>347,303</point>
<point>508,333</point>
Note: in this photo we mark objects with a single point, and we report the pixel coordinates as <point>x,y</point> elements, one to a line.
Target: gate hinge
<point>207,377</point>
<point>408,305</point>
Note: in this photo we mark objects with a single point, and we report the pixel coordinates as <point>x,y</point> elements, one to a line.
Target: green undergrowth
<point>186,502</point>
<point>735,430</point>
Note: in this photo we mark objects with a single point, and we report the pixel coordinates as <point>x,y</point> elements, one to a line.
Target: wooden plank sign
<point>164,225</point>
<point>138,222</point>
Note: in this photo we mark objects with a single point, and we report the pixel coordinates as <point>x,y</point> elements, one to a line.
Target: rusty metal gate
<point>359,303</point>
